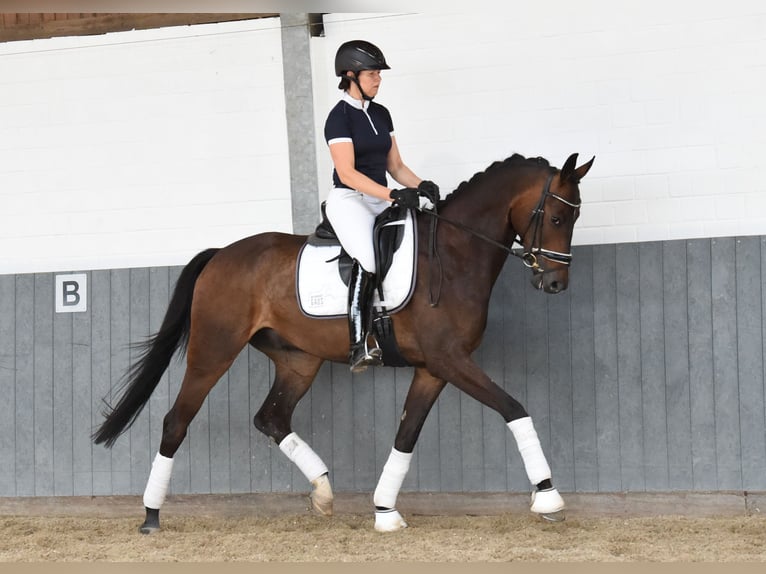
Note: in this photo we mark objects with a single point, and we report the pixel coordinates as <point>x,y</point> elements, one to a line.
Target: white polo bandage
<point>303,456</point>
<point>391,479</point>
<point>531,452</point>
<point>159,480</point>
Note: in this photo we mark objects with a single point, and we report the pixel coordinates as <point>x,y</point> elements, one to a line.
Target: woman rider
<point>360,135</point>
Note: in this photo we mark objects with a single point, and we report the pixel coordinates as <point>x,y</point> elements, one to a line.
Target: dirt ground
<point>443,528</point>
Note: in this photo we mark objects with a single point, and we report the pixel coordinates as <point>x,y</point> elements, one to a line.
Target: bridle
<point>529,257</point>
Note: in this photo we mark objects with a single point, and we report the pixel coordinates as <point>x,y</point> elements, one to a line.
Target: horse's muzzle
<point>551,281</point>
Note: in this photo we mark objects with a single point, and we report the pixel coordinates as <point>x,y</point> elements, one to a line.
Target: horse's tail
<point>155,354</point>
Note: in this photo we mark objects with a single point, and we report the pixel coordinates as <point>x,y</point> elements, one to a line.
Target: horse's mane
<point>516,160</point>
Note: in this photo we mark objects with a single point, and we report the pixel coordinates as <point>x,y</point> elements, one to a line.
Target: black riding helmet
<point>358,55</point>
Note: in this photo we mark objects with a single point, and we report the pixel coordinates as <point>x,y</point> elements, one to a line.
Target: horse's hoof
<point>321,496</point>
<point>547,502</point>
<point>389,520</point>
<point>152,522</point>
<point>321,505</point>
<point>559,516</point>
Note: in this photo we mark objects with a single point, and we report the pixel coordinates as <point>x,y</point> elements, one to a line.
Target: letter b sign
<point>71,293</point>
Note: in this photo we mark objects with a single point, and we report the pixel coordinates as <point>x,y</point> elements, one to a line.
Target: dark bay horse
<point>245,293</point>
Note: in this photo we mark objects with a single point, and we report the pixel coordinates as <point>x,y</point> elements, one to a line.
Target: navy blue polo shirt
<point>370,131</point>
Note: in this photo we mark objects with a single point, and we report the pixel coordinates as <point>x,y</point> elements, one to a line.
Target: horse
<point>245,293</point>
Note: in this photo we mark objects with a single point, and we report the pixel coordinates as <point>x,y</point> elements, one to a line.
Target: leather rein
<point>528,257</point>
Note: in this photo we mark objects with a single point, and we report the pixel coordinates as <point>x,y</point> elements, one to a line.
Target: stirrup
<point>362,356</point>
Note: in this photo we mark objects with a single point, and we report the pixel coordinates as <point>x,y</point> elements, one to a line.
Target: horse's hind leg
<point>295,371</point>
<point>206,363</point>
<point>424,391</point>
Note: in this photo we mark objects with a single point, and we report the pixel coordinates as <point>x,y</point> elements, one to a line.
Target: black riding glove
<point>430,190</point>
<point>406,197</point>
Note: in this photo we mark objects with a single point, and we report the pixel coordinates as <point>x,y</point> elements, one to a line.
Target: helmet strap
<point>355,79</point>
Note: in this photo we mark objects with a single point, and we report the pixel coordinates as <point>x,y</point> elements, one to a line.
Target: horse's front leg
<point>295,371</point>
<point>424,390</point>
<point>468,377</point>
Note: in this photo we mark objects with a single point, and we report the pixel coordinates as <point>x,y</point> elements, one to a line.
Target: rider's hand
<point>430,190</point>
<point>407,197</point>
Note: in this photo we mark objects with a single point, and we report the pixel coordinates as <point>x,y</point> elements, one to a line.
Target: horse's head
<point>544,215</point>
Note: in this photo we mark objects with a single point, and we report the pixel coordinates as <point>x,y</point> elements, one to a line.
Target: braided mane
<point>515,160</point>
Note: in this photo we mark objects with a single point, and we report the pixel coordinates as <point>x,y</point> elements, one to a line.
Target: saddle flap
<point>387,236</point>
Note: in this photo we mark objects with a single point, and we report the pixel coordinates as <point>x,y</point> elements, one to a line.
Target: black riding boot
<point>361,287</point>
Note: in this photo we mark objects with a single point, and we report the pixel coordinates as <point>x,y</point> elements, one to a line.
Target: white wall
<point>668,96</point>
<point>140,148</point>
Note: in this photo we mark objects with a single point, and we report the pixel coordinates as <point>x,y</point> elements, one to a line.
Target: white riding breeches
<point>352,215</point>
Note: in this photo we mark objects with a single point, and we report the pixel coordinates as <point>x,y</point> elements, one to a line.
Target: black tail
<point>155,354</point>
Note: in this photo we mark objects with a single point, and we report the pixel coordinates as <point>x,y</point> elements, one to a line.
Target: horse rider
<point>360,136</point>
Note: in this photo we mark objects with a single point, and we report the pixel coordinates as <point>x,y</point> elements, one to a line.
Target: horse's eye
<point>556,220</point>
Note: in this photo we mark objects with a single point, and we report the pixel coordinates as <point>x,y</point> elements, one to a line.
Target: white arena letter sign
<point>71,293</point>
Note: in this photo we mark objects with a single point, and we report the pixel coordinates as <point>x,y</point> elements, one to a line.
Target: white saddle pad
<point>322,293</point>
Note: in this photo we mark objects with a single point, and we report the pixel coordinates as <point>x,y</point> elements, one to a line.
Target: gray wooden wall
<point>646,375</point>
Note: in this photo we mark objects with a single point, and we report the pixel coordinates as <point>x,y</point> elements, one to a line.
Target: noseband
<point>536,224</point>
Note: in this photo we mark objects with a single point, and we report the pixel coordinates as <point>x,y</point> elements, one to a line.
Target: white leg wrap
<point>159,480</point>
<point>391,479</point>
<point>303,456</point>
<point>531,452</point>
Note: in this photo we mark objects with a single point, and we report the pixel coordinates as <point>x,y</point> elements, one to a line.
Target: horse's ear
<point>584,168</point>
<point>569,172</point>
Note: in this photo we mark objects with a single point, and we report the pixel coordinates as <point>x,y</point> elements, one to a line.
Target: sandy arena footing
<point>694,504</point>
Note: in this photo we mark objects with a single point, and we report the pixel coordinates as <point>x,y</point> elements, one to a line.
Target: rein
<point>529,258</point>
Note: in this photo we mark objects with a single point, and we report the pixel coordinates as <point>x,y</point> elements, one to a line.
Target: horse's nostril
<point>555,287</point>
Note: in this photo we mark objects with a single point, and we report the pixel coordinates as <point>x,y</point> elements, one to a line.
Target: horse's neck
<point>484,210</point>
<point>485,207</point>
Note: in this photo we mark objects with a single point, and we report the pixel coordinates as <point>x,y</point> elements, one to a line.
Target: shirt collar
<point>353,101</point>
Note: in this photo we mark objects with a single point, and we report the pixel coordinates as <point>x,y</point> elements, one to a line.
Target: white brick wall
<point>667,96</point>
<point>140,148</point>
